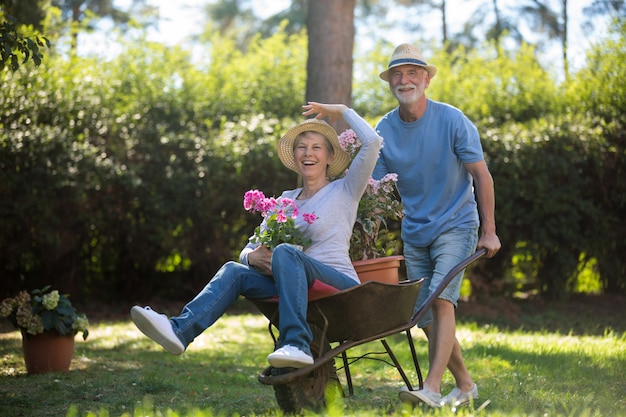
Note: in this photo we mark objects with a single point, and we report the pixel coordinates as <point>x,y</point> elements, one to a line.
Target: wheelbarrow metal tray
<point>365,310</point>
<point>359,312</point>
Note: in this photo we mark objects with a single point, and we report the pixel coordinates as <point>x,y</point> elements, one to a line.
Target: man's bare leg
<point>444,350</point>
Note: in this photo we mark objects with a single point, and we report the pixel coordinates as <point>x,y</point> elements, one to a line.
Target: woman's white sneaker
<point>289,357</point>
<point>158,328</point>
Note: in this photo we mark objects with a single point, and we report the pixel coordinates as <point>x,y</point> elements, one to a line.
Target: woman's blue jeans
<point>293,274</point>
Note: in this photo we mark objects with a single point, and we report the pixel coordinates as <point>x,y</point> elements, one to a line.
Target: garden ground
<point>530,358</point>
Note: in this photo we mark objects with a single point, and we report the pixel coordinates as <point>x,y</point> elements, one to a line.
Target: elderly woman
<point>311,149</point>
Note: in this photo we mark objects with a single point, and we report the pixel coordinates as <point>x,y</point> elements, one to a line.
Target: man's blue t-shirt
<point>429,156</point>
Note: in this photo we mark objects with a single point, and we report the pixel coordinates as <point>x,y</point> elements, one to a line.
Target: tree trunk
<point>564,40</point>
<point>330,25</point>
<point>444,23</point>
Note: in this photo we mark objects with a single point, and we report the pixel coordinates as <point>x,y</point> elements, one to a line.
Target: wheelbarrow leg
<point>415,360</point>
<point>346,368</point>
<point>399,367</point>
<point>396,363</point>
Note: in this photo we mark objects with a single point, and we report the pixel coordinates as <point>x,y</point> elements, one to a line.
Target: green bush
<point>544,194</point>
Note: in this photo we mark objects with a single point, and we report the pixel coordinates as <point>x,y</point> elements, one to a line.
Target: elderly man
<point>436,151</point>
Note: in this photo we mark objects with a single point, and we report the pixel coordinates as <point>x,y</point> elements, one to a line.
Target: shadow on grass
<point>579,315</point>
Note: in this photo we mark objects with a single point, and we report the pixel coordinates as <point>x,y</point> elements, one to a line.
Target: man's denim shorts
<point>433,263</point>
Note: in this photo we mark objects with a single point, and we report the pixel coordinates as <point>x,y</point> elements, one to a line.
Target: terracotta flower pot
<point>379,269</point>
<point>47,352</point>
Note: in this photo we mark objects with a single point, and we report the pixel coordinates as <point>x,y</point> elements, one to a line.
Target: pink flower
<point>251,200</point>
<point>349,142</point>
<point>290,206</point>
<point>391,177</point>
<point>309,217</point>
<point>267,205</point>
<point>281,217</point>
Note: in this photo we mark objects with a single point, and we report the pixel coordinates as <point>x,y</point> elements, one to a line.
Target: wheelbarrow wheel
<point>309,392</point>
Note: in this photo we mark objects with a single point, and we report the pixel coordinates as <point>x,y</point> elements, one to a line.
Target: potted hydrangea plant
<point>379,204</point>
<point>48,323</point>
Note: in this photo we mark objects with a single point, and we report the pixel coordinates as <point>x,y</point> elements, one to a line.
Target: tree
<point>616,8</point>
<point>236,18</point>
<point>14,44</point>
<point>27,12</point>
<point>79,11</point>
<point>502,25</point>
<point>330,26</point>
<point>543,19</point>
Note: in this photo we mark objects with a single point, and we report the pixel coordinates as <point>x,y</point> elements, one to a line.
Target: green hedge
<point>549,178</point>
<point>124,179</point>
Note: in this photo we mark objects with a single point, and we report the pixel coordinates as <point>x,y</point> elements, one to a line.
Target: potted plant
<point>379,204</point>
<point>48,323</point>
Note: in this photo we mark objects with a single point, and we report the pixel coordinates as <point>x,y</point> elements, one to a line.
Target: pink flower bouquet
<point>280,215</point>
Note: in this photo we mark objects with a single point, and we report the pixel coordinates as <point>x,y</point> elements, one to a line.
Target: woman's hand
<point>261,259</point>
<point>332,111</point>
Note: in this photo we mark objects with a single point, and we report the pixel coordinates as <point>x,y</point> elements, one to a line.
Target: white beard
<point>406,97</point>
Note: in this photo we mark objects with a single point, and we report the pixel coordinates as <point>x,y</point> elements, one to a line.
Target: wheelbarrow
<point>337,317</point>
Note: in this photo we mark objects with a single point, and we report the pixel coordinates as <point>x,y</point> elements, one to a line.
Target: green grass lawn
<point>541,367</point>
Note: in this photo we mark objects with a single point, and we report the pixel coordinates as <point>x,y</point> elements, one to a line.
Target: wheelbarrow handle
<point>444,283</point>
